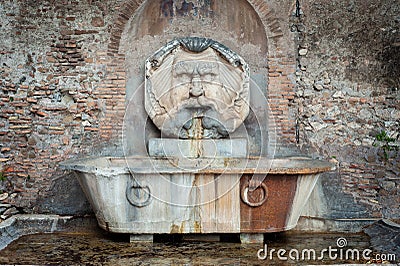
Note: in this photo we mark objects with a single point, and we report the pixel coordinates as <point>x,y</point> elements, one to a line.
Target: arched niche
<point>233,23</point>
<point>236,17</point>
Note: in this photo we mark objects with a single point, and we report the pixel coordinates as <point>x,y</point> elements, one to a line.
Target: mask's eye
<point>182,68</point>
<point>209,68</point>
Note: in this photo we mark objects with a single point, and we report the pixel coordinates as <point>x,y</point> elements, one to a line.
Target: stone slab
<point>148,165</point>
<point>208,148</point>
<point>385,238</point>
<point>23,224</point>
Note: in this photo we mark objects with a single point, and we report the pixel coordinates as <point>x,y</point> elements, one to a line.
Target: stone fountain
<point>200,153</point>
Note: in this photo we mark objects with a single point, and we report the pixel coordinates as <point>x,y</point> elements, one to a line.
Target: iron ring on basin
<point>245,191</point>
<point>138,201</point>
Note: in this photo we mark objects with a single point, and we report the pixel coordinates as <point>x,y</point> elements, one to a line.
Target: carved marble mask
<point>196,94</point>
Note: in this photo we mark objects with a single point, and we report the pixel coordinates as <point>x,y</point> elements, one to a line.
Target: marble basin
<point>143,195</point>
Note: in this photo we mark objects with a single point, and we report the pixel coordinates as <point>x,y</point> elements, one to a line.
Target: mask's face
<point>204,92</point>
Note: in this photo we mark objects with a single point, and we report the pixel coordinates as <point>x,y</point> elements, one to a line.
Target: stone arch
<point>126,11</point>
<point>266,13</point>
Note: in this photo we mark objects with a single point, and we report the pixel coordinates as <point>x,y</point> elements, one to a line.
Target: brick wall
<point>348,94</point>
<point>59,90</point>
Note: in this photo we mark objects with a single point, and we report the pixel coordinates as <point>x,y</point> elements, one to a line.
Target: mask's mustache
<point>200,102</point>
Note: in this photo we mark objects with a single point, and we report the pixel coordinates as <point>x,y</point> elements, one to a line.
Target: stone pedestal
<point>202,237</point>
<point>251,238</point>
<point>141,238</point>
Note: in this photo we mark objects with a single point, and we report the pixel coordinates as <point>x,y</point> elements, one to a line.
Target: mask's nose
<point>196,88</point>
